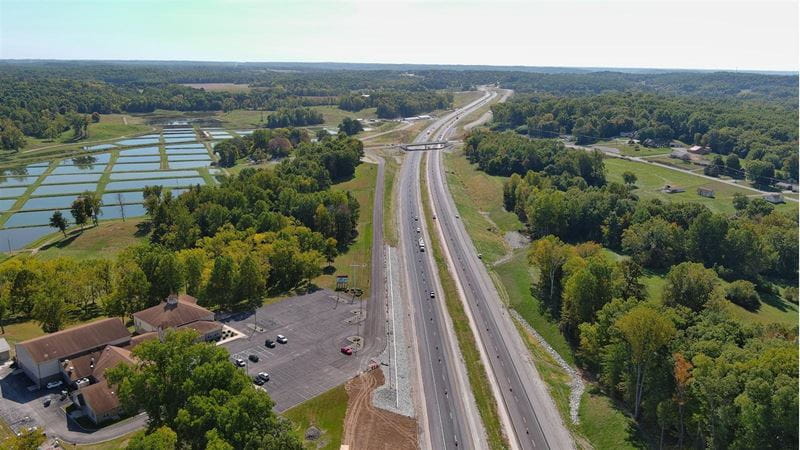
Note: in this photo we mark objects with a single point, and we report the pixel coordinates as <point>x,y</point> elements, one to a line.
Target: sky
<point>717,34</point>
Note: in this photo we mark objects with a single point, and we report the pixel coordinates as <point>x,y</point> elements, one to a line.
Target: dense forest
<point>682,364</point>
<point>752,130</point>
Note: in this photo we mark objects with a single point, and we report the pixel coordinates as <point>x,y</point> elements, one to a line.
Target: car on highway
<point>433,294</point>
<point>347,350</point>
<point>253,358</point>
<point>480,255</point>
<point>263,375</point>
<point>239,362</point>
<point>54,384</point>
<point>457,216</point>
<point>281,339</point>
<point>269,343</point>
<point>418,230</point>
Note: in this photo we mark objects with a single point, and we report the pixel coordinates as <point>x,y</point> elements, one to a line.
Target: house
<point>99,400</point>
<point>681,154</point>
<point>40,358</point>
<point>5,351</point>
<point>699,150</point>
<point>178,311</point>
<point>705,192</point>
<point>773,198</point>
<point>786,186</point>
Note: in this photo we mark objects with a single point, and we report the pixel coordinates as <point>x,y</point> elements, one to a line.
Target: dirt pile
<point>367,427</point>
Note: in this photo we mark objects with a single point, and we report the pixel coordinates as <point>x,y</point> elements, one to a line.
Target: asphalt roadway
<point>534,420</point>
<point>450,415</point>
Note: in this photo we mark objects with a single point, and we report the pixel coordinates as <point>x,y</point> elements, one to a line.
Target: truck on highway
<point>421,245</point>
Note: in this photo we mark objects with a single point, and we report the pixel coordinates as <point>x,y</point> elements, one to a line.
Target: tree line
<point>391,105</point>
<point>752,130</point>
<point>687,370</point>
<point>261,145</point>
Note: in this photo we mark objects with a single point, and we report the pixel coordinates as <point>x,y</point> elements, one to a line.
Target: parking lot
<point>317,326</point>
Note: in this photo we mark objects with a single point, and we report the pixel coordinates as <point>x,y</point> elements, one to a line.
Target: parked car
<point>269,343</point>
<point>263,376</point>
<point>54,384</point>
<point>347,350</point>
<point>258,381</point>
<point>239,362</point>
<point>253,358</point>
<point>281,339</point>
<point>47,400</point>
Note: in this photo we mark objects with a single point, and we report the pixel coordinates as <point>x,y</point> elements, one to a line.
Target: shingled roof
<point>180,310</point>
<point>101,397</point>
<point>71,341</point>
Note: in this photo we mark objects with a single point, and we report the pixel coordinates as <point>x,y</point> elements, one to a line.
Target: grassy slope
<point>362,186</point>
<point>476,372</point>
<point>652,178</point>
<point>103,241</point>
<point>120,442</point>
<point>631,150</point>
<point>326,412</point>
<point>333,115</point>
<point>111,126</point>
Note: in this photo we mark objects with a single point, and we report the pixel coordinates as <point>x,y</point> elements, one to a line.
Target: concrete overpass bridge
<point>432,145</point>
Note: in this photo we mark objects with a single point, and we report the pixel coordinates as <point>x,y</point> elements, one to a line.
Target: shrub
<point>743,293</point>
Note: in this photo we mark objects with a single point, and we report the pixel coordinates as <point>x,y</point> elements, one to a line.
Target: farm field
<point>633,150</point>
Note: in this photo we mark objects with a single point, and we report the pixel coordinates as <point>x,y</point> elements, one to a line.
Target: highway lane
<point>535,421</point>
<point>451,418</point>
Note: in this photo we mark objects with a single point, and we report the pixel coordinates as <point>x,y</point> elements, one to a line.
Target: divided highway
<point>535,422</point>
<point>450,417</point>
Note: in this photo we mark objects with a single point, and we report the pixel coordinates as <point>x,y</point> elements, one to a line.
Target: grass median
<point>476,372</point>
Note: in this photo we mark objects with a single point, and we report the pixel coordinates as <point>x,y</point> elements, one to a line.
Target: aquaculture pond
<point>192,145</point>
<point>134,142</point>
<point>33,169</point>
<point>87,160</point>
<point>191,157</point>
<point>16,181</point>
<point>66,170</point>
<point>149,151</point>
<point>22,219</point>
<point>127,197</point>
<point>131,185</point>
<point>17,238</point>
<point>188,164</point>
<point>114,212</point>
<point>5,205</point>
<point>64,188</point>
<point>135,167</point>
<point>137,159</point>
<point>12,192</point>
<point>72,178</point>
<point>186,151</point>
<point>100,147</point>
<point>60,201</point>
<point>158,174</point>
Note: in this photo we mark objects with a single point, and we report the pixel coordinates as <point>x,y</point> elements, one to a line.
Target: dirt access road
<point>367,427</point>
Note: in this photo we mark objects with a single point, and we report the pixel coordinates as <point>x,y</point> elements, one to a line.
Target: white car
<point>418,230</point>
<point>281,339</point>
<point>54,384</point>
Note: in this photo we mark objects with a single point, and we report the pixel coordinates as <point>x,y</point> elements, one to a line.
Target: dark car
<point>253,358</point>
<point>269,343</point>
<point>258,380</point>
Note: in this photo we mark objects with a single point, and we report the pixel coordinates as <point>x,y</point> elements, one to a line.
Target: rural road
<point>534,419</point>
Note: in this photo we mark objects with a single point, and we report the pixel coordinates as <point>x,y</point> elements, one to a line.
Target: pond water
<point>64,170</point>
<point>113,212</point>
<point>24,171</point>
<point>137,159</point>
<point>186,151</point>
<point>158,174</point>
<point>132,142</point>
<point>140,184</point>
<point>127,197</point>
<point>179,139</point>
<point>5,205</point>
<point>180,135</point>
<point>17,238</point>
<point>132,167</point>
<point>191,157</point>
<point>140,151</point>
<point>12,192</point>
<point>61,201</point>
<point>99,158</point>
<point>245,132</point>
<point>100,147</point>
<point>73,178</point>
<point>178,130</point>
<point>65,188</point>
<point>188,164</point>
<point>187,145</point>
<point>22,219</point>
<point>16,181</point>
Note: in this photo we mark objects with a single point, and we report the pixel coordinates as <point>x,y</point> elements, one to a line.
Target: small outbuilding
<point>774,198</point>
<point>668,189</point>
<point>705,192</point>
<point>5,351</point>
<point>699,150</point>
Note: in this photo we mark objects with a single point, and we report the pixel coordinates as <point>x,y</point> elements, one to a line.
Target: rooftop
<point>178,310</point>
<point>71,341</point>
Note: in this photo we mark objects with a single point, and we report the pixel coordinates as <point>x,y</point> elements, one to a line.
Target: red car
<point>347,350</point>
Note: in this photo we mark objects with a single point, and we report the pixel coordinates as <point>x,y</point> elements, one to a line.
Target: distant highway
<point>535,422</point>
<point>451,419</point>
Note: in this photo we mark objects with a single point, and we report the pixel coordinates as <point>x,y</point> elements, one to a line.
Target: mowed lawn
<point>634,150</point>
<point>479,199</point>
<point>651,178</point>
<point>326,412</point>
<point>333,115</point>
<point>103,241</point>
<point>356,262</point>
<point>111,126</point>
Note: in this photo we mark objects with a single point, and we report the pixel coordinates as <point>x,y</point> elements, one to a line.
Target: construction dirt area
<point>368,427</point>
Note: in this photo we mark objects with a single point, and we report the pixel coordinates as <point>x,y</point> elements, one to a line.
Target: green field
<point>652,178</point>
<point>333,115</point>
<point>111,126</point>
<point>326,412</point>
<point>634,150</point>
<point>120,442</point>
<point>356,262</point>
<point>103,241</point>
